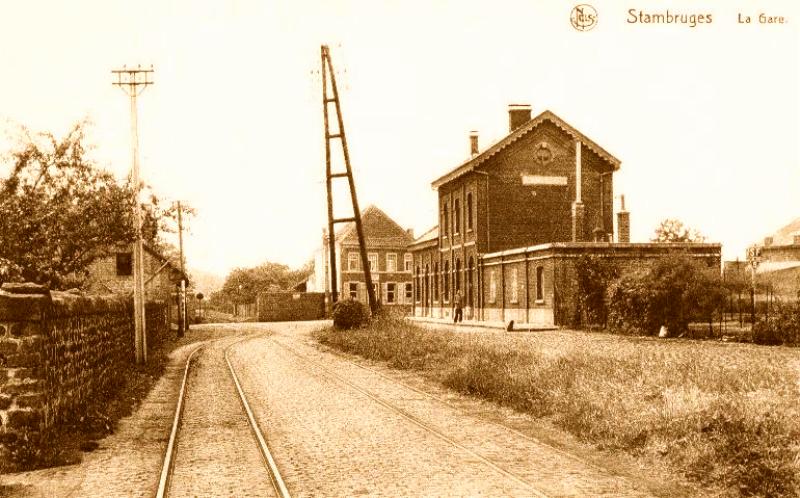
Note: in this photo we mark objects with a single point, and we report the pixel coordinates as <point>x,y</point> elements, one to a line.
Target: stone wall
<point>59,351</point>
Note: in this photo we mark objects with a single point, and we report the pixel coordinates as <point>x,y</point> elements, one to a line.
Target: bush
<point>348,314</point>
<point>782,326</point>
<point>673,292</point>
<point>594,275</point>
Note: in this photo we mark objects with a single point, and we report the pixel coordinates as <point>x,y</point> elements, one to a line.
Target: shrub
<point>779,327</point>
<point>594,275</point>
<point>348,314</point>
<point>673,292</point>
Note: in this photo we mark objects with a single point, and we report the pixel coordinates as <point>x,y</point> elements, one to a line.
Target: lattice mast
<point>327,71</point>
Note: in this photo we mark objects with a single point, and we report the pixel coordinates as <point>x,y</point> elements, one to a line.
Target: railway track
<point>533,490</point>
<point>168,465</point>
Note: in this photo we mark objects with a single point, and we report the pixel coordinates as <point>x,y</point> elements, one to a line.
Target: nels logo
<point>583,17</point>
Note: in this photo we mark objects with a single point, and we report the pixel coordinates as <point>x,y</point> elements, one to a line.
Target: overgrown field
<point>725,415</point>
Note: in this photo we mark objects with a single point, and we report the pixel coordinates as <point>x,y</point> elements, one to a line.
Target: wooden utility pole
<point>327,69</point>
<point>182,300</point>
<point>134,81</point>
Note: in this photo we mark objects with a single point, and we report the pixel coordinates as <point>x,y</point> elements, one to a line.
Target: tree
<point>59,211</point>
<point>672,230</point>
<point>242,285</point>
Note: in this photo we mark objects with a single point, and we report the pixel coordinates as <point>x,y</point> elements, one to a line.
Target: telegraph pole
<point>182,308</point>
<point>133,81</point>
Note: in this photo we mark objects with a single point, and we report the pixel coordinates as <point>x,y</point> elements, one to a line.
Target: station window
<point>456,216</point>
<point>469,211</point>
<point>540,283</point>
<point>492,287</point>
<point>513,289</point>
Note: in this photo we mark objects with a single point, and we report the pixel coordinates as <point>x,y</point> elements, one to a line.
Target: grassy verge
<point>724,415</point>
<point>65,445</point>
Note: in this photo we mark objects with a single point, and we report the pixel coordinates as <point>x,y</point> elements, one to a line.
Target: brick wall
<point>559,295</point>
<point>59,350</point>
<point>290,306</point>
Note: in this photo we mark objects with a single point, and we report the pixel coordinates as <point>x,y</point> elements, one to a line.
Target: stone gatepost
<point>23,314</point>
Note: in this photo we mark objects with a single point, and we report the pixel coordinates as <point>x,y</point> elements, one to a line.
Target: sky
<point>704,119</point>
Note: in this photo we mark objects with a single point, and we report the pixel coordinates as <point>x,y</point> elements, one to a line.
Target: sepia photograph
<point>524,248</point>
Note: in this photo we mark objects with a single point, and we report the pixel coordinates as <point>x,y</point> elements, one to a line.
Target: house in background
<point>514,218</point>
<point>389,259</point>
<point>779,261</point>
<point>113,274</point>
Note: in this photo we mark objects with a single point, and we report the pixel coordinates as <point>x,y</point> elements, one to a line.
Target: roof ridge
<point>518,133</point>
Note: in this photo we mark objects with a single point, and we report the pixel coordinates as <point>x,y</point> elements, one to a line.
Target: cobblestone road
<point>334,427</point>
<point>331,439</point>
<point>216,452</point>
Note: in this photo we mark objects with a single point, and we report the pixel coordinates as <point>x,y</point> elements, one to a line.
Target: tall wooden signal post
<point>328,98</point>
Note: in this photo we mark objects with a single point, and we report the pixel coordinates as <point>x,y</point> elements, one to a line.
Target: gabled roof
<point>475,161</point>
<point>165,260</point>
<point>379,230</point>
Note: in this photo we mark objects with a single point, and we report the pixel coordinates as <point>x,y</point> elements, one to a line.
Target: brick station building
<point>514,217</point>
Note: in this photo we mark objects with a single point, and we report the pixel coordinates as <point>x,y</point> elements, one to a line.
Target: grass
<point>724,415</point>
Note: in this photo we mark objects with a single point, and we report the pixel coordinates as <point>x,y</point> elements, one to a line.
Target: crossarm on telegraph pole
<point>134,81</point>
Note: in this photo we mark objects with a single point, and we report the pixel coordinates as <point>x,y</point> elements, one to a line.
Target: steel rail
<point>169,458</point>
<point>275,475</point>
<point>166,468</point>
<point>411,418</point>
<point>516,432</point>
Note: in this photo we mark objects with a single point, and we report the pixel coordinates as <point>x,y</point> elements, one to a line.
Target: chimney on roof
<point>518,115</point>
<point>410,232</point>
<point>767,241</point>
<point>623,223</point>
<point>473,142</point>
<point>796,239</point>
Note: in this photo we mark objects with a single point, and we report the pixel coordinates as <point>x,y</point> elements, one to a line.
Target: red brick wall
<point>521,215</point>
<point>382,276</point>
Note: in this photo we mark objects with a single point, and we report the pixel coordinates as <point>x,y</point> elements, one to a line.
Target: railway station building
<point>513,219</point>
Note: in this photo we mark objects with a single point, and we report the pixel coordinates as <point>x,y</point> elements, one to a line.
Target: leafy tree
<point>242,285</point>
<point>59,211</point>
<point>674,291</point>
<point>672,230</point>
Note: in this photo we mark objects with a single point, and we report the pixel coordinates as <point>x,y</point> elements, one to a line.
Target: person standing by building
<point>458,305</point>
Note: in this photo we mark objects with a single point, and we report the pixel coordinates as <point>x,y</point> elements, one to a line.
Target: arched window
<point>436,295</point>
<point>426,286</point>
<point>458,275</point>
<point>416,286</point>
<point>470,271</point>
<point>446,280</point>
<point>469,211</point>
<point>456,216</point>
<point>445,220</point>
